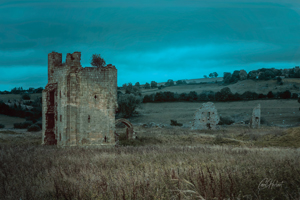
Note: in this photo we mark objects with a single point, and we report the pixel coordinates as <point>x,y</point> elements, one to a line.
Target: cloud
<point>156,38</point>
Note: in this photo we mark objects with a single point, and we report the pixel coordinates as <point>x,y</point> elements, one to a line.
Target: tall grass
<point>148,172</point>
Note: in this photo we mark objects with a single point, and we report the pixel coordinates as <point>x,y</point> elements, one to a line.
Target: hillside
<point>292,84</point>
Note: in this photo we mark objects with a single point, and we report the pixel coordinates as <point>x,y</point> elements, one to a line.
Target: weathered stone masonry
<point>79,103</point>
<point>206,117</point>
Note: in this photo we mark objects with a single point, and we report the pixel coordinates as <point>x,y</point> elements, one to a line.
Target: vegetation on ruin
<point>97,61</point>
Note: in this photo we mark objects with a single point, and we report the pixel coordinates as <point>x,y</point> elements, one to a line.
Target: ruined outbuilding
<point>79,103</point>
<point>255,119</point>
<point>206,117</point>
<point>123,126</point>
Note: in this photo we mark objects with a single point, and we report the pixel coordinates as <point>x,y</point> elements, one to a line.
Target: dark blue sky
<point>148,40</point>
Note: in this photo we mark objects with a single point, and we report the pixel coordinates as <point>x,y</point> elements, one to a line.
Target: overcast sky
<point>148,40</point>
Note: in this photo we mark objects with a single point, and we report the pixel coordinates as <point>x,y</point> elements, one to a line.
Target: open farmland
<point>9,121</point>
<point>274,111</point>
<point>6,97</point>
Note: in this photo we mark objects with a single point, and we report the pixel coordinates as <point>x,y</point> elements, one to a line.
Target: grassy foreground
<point>165,171</point>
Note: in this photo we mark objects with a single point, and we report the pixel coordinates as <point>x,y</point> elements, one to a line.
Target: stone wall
<point>85,102</point>
<point>206,117</point>
<point>255,118</point>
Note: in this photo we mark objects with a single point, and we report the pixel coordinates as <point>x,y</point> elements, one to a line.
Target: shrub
<point>249,95</point>
<point>279,79</point>
<point>26,97</point>
<point>175,123</point>
<point>202,97</point>
<point>33,128</point>
<point>130,89</point>
<point>270,95</point>
<point>184,97</point>
<point>128,103</point>
<point>2,126</point>
<point>139,141</point>
<point>227,77</point>
<point>253,136</point>
<point>18,125</point>
<point>97,61</point>
<point>237,97</point>
<point>25,124</point>
<point>39,124</point>
<point>261,96</point>
<point>294,96</point>
<point>148,98</point>
<point>269,74</point>
<point>192,96</point>
<point>181,82</point>
<point>218,139</point>
<point>224,95</point>
<point>153,84</point>
<point>263,120</point>
<point>147,86</point>
<point>169,96</point>
<point>159,97</point>
<point>170,82</point>
<point>137,84</point>
<point>225,121</point>
<point>285,95</point>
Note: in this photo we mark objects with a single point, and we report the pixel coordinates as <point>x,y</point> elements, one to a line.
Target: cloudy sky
<point>148,40</point>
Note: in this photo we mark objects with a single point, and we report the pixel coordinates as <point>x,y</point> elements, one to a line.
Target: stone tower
<point>79,103</point>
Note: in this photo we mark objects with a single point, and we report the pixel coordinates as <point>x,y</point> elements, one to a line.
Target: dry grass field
<point>171,164</point>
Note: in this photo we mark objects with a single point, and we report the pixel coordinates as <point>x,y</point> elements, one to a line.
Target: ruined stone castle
<point>79,103</point>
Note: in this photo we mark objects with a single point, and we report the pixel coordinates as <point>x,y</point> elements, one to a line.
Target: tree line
<point>224,95</point>
<point>34,114</point>
<point>20,90</point>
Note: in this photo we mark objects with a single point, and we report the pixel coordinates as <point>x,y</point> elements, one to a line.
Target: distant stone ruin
<point>79,103</point>
<point>255,119</point>
<point>206,117</point>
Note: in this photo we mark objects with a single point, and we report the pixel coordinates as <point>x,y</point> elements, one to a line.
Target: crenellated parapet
<point>73,60</point>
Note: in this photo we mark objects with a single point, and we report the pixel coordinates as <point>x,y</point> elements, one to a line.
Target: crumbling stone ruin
<point>255,119</point>
<point>206,117</point>
<point>123,125</point>
<point>79,103</point>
